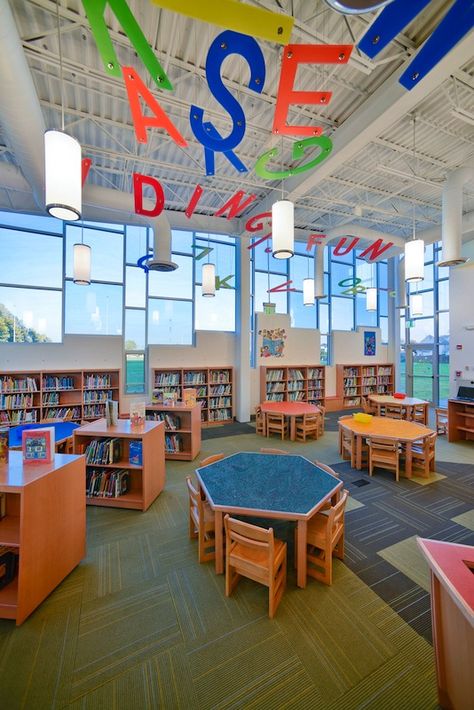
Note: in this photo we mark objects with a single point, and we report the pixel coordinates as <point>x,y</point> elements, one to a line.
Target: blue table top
<point>267,482</point>
<point>61,431</point>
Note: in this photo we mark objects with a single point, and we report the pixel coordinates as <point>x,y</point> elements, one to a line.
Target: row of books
<point>98,396</point>
<point>354,402</point>
<point>94,411</point>
<point>350,391</point>
<point>65,382</point>
<point>66,413</point>
<point>296,385</point>
<point>21,416</point>
<point>18,384</point>
<point>315,394</point>
<point>274,397</point>
<point>167,378</point>
<point>97,381</point>
<point>103,451</point>
<point>296,396</point>
<point>194,378</point>
<point>275,387</point>
<point>351,372</point>
<point>350,382</point>
<point>369,380</point>
<point>295,375</point>
<point>220,402</point>
<point>275,375</point>
<point>201,392</point>
<point>50,398</point>
<point>384,380</point>
<point>219,415</point>
<point>106,484</point>
<point>16,401</point>
<point>171,421</point>
<point>316,373</point>
<point>173,443</point>
<point>385,371</point>
<point>315,383</point>
<point>368,371</point>
<point>218,377</point>
<point>220,389</point>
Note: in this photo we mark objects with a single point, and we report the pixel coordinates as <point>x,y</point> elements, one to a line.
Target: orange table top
<point>386,427</point>
<point>388,399</point>
<point>289,409</point>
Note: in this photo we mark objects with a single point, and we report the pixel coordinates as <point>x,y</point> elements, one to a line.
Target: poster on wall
<point>369,342</point>
<point>273,342</point>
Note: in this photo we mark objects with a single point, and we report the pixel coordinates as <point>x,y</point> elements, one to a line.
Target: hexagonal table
<point>284,487</point>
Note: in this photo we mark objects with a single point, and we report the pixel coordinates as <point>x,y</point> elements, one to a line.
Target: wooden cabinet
<point>125,465</point>
<point>213,385</point>
<point>296,383</point>
<point>460,420</point>
<point>71,395</point>
<point>182,429</point>
<point>45,526</point>
<point>354,381</point>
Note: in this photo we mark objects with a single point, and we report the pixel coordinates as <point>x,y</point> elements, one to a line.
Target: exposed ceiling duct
<point>452,219</point>
<point>22,120</point>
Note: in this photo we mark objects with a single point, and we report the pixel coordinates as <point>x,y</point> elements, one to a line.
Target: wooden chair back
<point>201,523</point>
<point>325,538</point>
<point>326,468</point>
<point>441,420</point>
<point>253,552</point>
<point>367,405</point>
<point>394,411</point>
<point>211,459</point>
<point>384,453</point>
<point>419,413</point>
<point>322,409</point>
<point>273,451</point>
<point>308,425</point>
<point>276,424</point>
<point>260,421</point>
<point>423,454</point>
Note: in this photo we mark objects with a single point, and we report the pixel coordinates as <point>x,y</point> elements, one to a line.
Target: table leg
<point>301,554</point>
<point>358,452</point>
<point>408,459</point>
<point>218,522</point>
<point>293,428</point>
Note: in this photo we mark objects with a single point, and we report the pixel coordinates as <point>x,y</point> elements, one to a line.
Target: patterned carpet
<point>140,624</point>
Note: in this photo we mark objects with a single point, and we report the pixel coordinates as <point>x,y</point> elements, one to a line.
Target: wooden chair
<point>321,420</point>
<point>260,422</point>
<point>211,459</point>
<point>308,426</point>
<point>384,453</point>
<point>254,552</point>
<point>423,454</point>
<point>326,468</point>
<point>367,405</point>
<point>277,424</point>
<point>441,420</point>
<point>201,523</point>
<point>347,442</point>
<point>394,411</point>
<point>273,451</point>
<point>419,413</point>
<point>325,538</point>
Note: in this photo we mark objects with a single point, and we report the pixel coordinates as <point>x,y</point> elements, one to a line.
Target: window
<point>218,312</point>
<point>95,310</point>
<point>170,322</point>
<point>134,373</point>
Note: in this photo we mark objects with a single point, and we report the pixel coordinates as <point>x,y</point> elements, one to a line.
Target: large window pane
<point>384,329</point>
<point>223,256</point>
<point>31,259</point>
<point>134,373</point>
<point>182,241</point>
<point>173,284</point>
<point>265,262</point>
<point>443,325</point>
<point>94,310</point>
<point>33,222</point>
<point>349,257</point>
<point>170,322</point>
<point>323,317</point>
<point>363,316</point>
<point>324,359</point>
<point>30,315</point>
<point>106,257</point>
<point>342,315</point>
<point>134,329</point>
<point>215,313</point>
<point>135,288</point>
<point>262,296</point>
<point>136,243</point>
<point>443,295</point>
<point>301,316</point>
<point>300,268</point>
<point>422,330</point>
<point>341,272</point>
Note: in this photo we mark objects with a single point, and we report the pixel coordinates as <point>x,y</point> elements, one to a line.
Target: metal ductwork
<point>452,220</point>
<point>22,120</point>
<point>402,287</point>
<point>319,272</point>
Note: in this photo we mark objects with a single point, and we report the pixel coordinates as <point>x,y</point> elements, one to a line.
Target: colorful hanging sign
<point>323,142</point>
<point>273,342</point>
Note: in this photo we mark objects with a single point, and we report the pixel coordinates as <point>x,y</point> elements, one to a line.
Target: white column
<point>242,385</point>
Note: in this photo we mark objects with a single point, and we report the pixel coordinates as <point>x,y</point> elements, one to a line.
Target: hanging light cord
<point>61,82</point>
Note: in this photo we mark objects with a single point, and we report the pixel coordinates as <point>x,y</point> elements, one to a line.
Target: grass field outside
<point>422,382</point>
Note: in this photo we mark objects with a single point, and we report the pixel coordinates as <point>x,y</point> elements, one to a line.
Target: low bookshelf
<point>354,381</point>
<point>70,395</point>
<point>182,429</point>
<point>125,465</point>
<point>214,390</point>
<point>295,383</point>
<point>460,420</point>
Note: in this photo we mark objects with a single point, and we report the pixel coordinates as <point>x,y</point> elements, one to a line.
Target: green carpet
<point>140,624</point>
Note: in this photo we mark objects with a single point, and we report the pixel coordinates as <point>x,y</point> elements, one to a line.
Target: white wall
<point>461,314</point>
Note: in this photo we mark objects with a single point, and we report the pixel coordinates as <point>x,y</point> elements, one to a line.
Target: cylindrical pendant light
<point>308,292</point>
<point>416,304</point>
<point>415,260</point>
<point>283,229</point>
<point>82,264</point>
<point>371,299</point>
<point>63,176</point>
<point>208,279</point>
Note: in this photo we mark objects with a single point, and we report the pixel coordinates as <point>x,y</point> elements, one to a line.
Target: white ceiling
<point>373,178</point>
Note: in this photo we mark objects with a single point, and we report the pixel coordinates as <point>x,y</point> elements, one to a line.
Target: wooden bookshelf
<point>214,387</point>
<point>460,420</point>
<point>71,395</point>
<point>354,381</point>
<point>44,525</point>
<point>182,429</point>
<point>144,481</point>
<point>296,383</point>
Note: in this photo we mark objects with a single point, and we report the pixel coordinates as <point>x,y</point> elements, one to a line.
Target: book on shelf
<point>111,412</point>
<point>157,396</point>
<point>103,452</point>
<point>4,449</point>
<point>170,399</point>
<point>8,565</point>
<point>106,484</point>
<point>137,412</point>
<point>189,396</point>
<point>38,445</point>
<point>135,453</point>
<point>3,505</point>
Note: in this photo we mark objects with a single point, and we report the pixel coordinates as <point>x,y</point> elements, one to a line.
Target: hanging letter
<point>138,182</point>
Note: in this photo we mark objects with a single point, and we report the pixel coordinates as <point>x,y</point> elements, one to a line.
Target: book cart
<point>125,465</point>
<point>182,429</point>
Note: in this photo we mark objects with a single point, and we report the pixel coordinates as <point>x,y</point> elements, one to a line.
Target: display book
<point>182,429</point>
<point>38,445</point>
<point>295,383</point>
<point>354,381</point>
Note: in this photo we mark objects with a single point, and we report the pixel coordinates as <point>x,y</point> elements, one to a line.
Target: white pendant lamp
<point>415,260</point>
<point>208,280</point>
<point>63,176</point>
<point>371,299</point>
<point>416,304</point>
<point>81,264</point>
<point>283,229</point>
<point>308,292</point>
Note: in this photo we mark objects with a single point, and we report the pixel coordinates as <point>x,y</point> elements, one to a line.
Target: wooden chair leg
<point>192,528</point>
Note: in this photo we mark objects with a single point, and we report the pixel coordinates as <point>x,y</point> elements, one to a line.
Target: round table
<point>291,410</point>
<point>380,400</point>
<point>398,429</point>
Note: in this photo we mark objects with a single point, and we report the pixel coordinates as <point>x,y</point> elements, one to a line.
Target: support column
<point>242,331</point>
